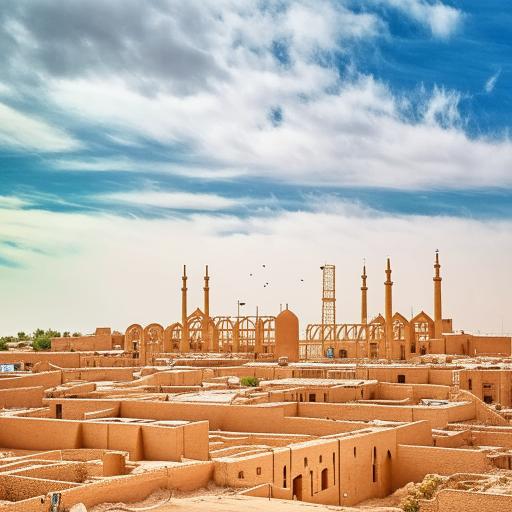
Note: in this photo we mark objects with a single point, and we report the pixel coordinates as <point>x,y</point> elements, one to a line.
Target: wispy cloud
<point>490,84</point>
<point>13,202</point>
<point>442,20</point>
<point>173,200</point>
<point>19,130</point>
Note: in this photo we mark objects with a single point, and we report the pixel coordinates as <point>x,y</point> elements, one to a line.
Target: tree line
<point>40,339</point>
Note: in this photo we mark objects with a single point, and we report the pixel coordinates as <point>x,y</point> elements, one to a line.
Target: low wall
<point>452,500</point>
<point>21,397</point>
<point>414,462</point>
<point>45,380</point>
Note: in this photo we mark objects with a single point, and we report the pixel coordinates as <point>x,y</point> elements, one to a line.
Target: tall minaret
<point>206,290</point>
<point>388,309</point>
<point>364,303</point>
<point>438,312</point>
<point>184,342</point>
<point>207,342</point>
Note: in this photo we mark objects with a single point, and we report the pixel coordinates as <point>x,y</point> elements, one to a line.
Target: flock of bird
<point>267,283</point>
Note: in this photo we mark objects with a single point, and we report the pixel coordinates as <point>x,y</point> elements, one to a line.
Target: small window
<point>401,379</point>
<point>488,399</point>
<point>58,411</point>
<point>312,397</point>
<point>320,459</point>
<point>355,451</point>
<point>258,470</point>
<point>305,462</point>
<point>284,477</point>
<point>325,397</point>
<point>240,475</point>
<point>470,384</point>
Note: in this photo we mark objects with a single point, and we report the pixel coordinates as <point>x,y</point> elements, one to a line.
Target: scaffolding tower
<point>328,301</point>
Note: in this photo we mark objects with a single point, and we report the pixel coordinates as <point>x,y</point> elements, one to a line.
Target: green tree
<point>3,343</point>
<point>22,336</point>
<point>77,334</point>
<point>66,334</point>
<point>42,343</point>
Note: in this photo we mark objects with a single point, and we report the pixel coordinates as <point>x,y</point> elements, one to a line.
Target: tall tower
<point>438,312</point>
<point>206,291</point>
<point>364,302</point>
<point>328,300</point>
<point>207,345</point>
<point>388,284</point>
<point>184,342</point>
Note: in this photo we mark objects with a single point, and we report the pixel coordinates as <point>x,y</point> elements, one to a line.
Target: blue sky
<point>253,127</point>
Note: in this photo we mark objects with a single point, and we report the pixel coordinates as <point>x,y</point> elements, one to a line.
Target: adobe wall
<point>130,488</point>
<point>413,375</point>
<point>16,488</point>
<point>95,374</point>
<point>483,413</point>
<point>414,462</point>
<point>438,416</point>
<point>499,345</point>
<point>356,457</point>
<point>21,397</point>
<point>38,434</point>
<point>45,380</point>
<point>149,442</point>
<point>494,383</point>
<point>453,500</point>
<point>62,359</point>
<point>93,342</point>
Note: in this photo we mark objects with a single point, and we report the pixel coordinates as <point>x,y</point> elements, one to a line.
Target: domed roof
<point>287,313</point>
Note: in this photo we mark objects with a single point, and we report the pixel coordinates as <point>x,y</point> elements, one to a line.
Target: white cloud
<point>107,270</point>
<point>443,20</point>
<point>12,202</point>
<point>491,82</point>
<point>100,164</point>
<point>173,200</point>
<point>442,109</point>
<point>18,130</point>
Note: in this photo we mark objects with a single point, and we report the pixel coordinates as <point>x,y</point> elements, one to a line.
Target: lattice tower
<point>328,297</point>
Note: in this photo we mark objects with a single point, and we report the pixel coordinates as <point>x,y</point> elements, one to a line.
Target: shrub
<point>3,344</point>
<point>428,487</point>
<point>410,504</point>
<point>249,381</point>
<point>42,343</point>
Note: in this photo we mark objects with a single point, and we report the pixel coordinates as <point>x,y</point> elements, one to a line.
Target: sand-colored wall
<point>62,359</point>
<point>21,397</point>
<point>453,500</point>
<point>96,374</point>
<point>45,380</point>
<point>86,343</point>
<point>16,488</point>
<point>414,462</point>
<point>148,442</point>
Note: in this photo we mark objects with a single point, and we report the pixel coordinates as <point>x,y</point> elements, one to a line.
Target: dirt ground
<point>209,500</point>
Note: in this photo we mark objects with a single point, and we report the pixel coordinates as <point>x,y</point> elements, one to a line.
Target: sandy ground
<point>209,500</point>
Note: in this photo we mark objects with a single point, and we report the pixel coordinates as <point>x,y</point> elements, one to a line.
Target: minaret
<point>364,303</point>
<point>388,309</point>
<point>184,342</point>
<point>206,290</point>
<point>207,346</point>
<point>438,312</point>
